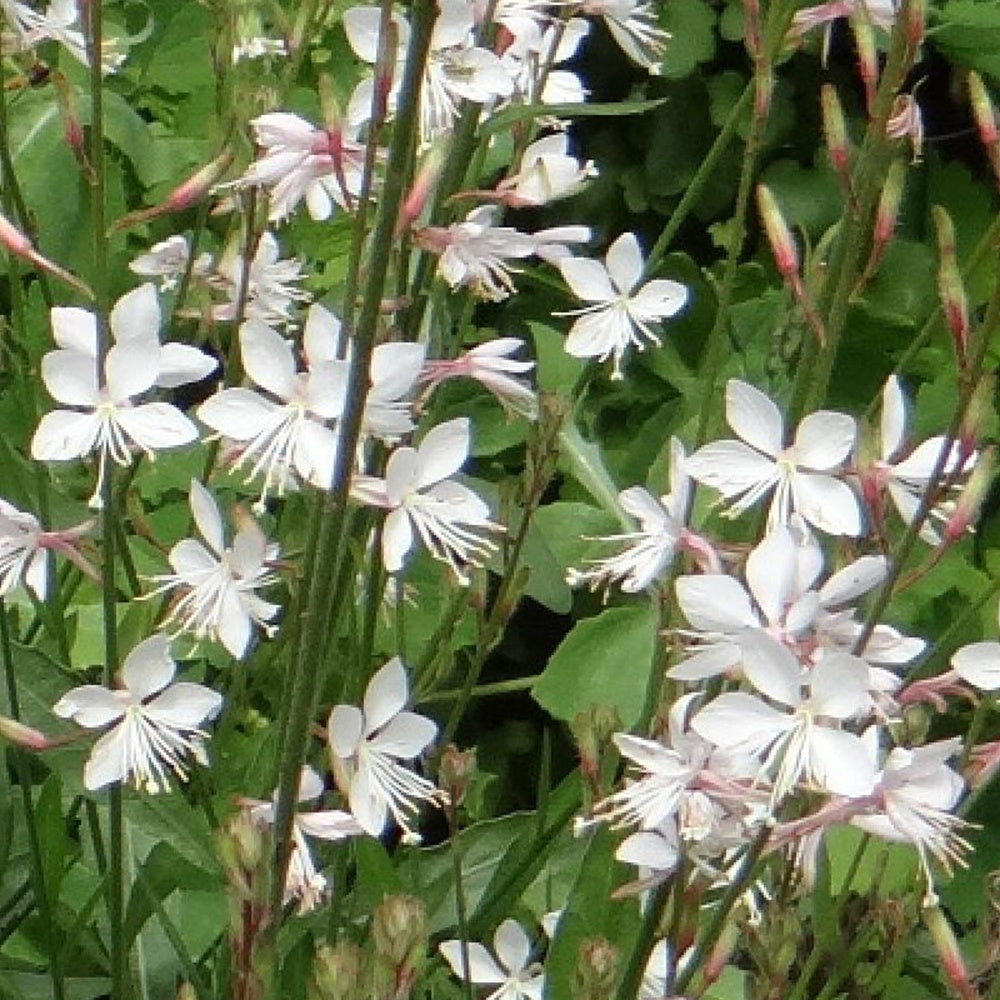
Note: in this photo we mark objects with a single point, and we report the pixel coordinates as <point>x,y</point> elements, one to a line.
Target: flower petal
<point>824,440</point>
<point>483,969</point>
<point>385,695</point>
<point>512,946</point>
<point>713,602</point>
<point>206,517</point>
<point>148,668</point>
<point>754,417</point>
<point>442,451</point>
<point>267,358</point>
<point>827,503</point>
<point>624,263</point>
<point>978,664</point>
<point>344,730</point>
<point>893,422</point>
<point>136,316</point>
<point>588,279</point>
<point>71,378</point>
<point>184,706</point>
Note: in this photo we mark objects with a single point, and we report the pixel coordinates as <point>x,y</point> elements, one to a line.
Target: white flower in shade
<point>448,517</point>
<point>366,747</point>
<point>915,793</point>
<point>801,475</point>
<point>217,586</point>
<point>303,882</point>
<point>299,161</point>
<point>168,261</point>
<point>511,972</point>
<point>492,366</point>
<point>547,173</point>
<point>60,24</point>
<point>455,71</point>
<point>651,549</point>
<point>978,664</point>
<point>907,479</point>
<point>623,309</point>
<point>632,24</point>
<point>880,13</point>
<point>156,724</point>
<point>532,54</point>
<point>395,369</point>
<point>106,417</point>
<point>271,294</point>
<point>802,742</point>
<point>283,430</point>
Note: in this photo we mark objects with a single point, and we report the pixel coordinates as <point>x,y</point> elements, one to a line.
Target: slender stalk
<point>331,540</point>
<point>628,988</point>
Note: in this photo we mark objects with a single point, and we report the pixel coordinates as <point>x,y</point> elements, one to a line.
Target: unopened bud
<point>721,952</point>
<point>592,729</point>
<point>979,411</point>
<point>399,927</point>
<point>864,42</point>
<point>19,245</point>
<point>385,71</point>
<point>21,735</point>
<point>456,770</point>
<point>971,501</point>
<point>337,972</point>
<point>423,186</point>
<point>951,290</point>
<point>186,992</point>
<point>982,109</point>
<point>835,129</point>
<point>916,19</point>
<point>71,124</point>
<point>888,205</point>
<point>786,254</point>
<point>241,845</point>
<point>596,970</point>
<point>952,963</point>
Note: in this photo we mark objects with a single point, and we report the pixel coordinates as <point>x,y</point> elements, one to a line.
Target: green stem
<point>628,988</point>
<point>331,541</point>
<point>39,883</point>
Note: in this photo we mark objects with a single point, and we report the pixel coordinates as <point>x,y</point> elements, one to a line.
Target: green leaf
<point>556,371</point>
<point>503,120</point>
<point>604,660</point>
<point>691,24</point>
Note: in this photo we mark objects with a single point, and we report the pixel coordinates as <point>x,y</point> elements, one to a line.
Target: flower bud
<point>186,992</point>
<point>916,18</point>
<point>978,413</point>
<point>983,110</point>
<point>835,129</point>
<point>456,770</point>
<point>952,963</point>
<point>888,205</point>
<point>592,729</point>
<point>337,972</point>
<point>385,69</point>
<point>786,254</point>
<point>16,243</point>
<point>596,970</point>
<point>21,735</point>
<point>721,952</point>
<point>969,503</point>
<point>950,287</point>
<point>423,186</point>
<point>399,928</point>
<point>242,848</point>
<point>864,42</point>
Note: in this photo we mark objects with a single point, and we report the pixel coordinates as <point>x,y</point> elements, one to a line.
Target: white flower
<point>156,723</point>
<point>651,549</point>
<point>447,516</point>
<point>797,743</point>
<point>271,294</point>
<point>168,261</point>
<point>907,479</point>
<point>106,418</point>
<point>547,173</point>
<point>284,432</point>
<point>58,24</point>
<point>217,585</point>
<point>513,976</point>
<point>659,968</point>
<point>492,366</point>
<point>303,882</point>
<point>395,369</point>
<point>366,746</point>
<point>801,475</point>
<point>455,71</point>
<point>531,56</point>
<point>632,24</point>
<point>623,310</point>
<point>916,792</point>
<point>300,161</point>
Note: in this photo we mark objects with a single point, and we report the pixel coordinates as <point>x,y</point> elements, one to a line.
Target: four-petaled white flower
<point>299,161</point>
<point>801,475</point>
<point>303,882</point>
<point>623,310</point>
<point>449,518</point>
<point>217,586</point>
<point>168,261</point>
<point>514,976</point>
<point>366,747</point>
<point>107,419</point>
<point>285,432</point>
<point>156,723</point>
<point>547,173</point>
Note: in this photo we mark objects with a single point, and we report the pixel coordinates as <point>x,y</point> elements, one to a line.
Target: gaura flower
<point>623,311</point>
<point>217,586</point>
<point>156,723</point>
<point>449,518</point>
<point>168,260</point>
<point>303,882</point>
<point>632,24</point>
<point>366,747</point>
<point>534,52</point>
<point>802,475</point>
<point>547,173</point>
<point>515,977</point>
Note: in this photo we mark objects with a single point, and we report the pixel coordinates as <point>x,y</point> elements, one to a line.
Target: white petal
<point>90,706</point>
<point>385,695</point>
<point>148,668</point>
<point>234,626</point>
<point>182,364</point>
<point>74,329</point>
<point>483,969</point>
<point>368,803</point>
<point>713,602</point>
<point>395,368</point>
<point>709,662</point>
<point>659,299</point>
<point>191,561</point>
<point>648,849</point>
<point>624,262</point>
<point>512,946</point>
<point>129,370</point>
<point>824,440</point>
<point>772,668</point>
<point>827,503</point>
<point>772,573</point>
<point>840,762</point>
<point>206,516</point>
<point>136,315</point>
<point>893,422</point>
<point>442,451</point>
<point>71,378</point>
<point>919,464</point>
<point>588,279</point>
<point>153,426</point>
<point>397,539</point>
<point>107,762</point>
<point>739,720</point>
<point>185,705</point>
<point>267,358</point>
<point>329,824</point>
<point>838,686</point>
<point>321,335</point>
<point>731,467</point>
<point>344,730</point>
<point>240,414</point>
<point>978,664</point>
<point>754,417</point>
<point>852,581</point>
<point>63,435</point>
<point>405,736</point>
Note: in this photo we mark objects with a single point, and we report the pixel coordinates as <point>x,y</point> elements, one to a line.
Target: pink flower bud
<point>982,110</point>
<point>952,963</point>
<point>423,185</point>
<point>198,185</point>
<point>888,204</point>
<point>969,503</point>
<point>835,129</point>
<point>951,290</point>
<point>864,40</point>
<point>786,254</point>
<point>14,240</point>
<point>21,735</point>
